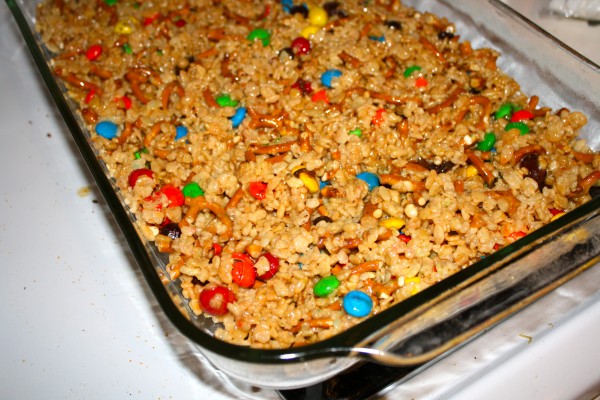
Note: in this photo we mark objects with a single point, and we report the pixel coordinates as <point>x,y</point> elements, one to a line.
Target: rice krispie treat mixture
<point>307,165</point>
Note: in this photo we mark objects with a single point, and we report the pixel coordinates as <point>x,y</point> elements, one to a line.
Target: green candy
<point>261,34</point>
<point>225,100</point>
<point>504,111</point>
<point>138,154</point>
<point>110,2</point>
<point>127,48</point>
<point>521,126</point>
<point>408,71</point>
<point>489,139</point>
<point>326,286</point>
<point>356,132</point>
<point>192,190</point>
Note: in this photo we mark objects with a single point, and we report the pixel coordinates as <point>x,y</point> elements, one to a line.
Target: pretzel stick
<point>367,266</point>
<point>446,103</point>
<point>531,149</point>
<point>487,175</point>
<point>429,46</point>
<point>168,90</point>
<point>196,204</point>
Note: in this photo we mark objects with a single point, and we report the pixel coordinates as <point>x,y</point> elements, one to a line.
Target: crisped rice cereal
<point>285,155</point>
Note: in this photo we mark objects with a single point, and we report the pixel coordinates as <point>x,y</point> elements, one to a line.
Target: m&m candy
<point>358,304</point>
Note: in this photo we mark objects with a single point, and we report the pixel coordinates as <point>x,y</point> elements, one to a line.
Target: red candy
<point>378,118</point>
<point>93,52</point>
<point>521,115</point>
<point>273,266</point>
<point>243,272</point>
<point>149,20</point>
<point>301,46</point>
<point>214,300</point>
<point>517,235</point>
<point>125,100</point>
<point>174,194</point>
<point>404,238</point>
<point>321,95</point>
<point>135,174</point>
<point>421,82</point>
<point>258,190</point>
<point>217,248</point>
<point>303,86</point>
<point>266,12</point>
<point>180,23</point>
<point>89,96</point>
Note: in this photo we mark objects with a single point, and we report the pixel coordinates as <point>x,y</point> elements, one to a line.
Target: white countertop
<point>79,323</point>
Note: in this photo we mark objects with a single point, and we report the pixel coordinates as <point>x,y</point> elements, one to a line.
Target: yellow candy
<point>309,31</point>
<point>317,16</point>
<point>471,171</point>
<point>395,223</point>
<point>557,216</point>
<point>309,181</point>
<point>122,28</point>
<point>414,279</point>
<point>125,26</point>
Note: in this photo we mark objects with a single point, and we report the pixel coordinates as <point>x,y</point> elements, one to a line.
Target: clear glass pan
<point>445,315</point>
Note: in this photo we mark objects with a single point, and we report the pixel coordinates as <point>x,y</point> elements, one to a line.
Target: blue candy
<point>107,129</point>
<point>238,117</point>
<point>322,184</point>
<point>180,131</point>
<point>357,303</point>
<point>378,38</point>
<point>328,75</point>
<point>287,5</point>
<point>370,178</point>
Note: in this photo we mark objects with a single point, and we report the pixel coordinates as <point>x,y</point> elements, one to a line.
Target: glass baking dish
<point>435,320</point>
